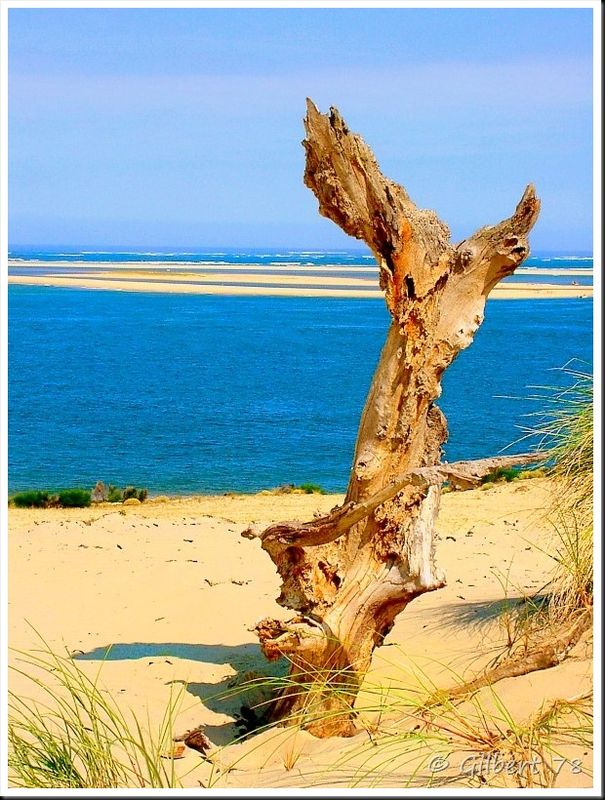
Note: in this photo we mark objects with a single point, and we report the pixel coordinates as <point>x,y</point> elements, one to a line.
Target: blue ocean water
<point>194,393</point>
<point>257,256</point>
<point>353,256</point>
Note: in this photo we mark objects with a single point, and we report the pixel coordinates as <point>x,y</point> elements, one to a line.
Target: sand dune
<point>175,589</point>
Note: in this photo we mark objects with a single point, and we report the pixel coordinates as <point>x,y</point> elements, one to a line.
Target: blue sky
<point>182,127</point>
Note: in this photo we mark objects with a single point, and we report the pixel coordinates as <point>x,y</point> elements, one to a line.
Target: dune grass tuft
<point>74,735</point>
<point>566,428</point>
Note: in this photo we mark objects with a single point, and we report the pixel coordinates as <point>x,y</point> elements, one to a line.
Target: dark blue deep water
<point>194,393</point>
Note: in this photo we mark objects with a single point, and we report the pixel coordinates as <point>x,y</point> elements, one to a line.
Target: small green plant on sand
<point>311,488</point>
<point>114,494</point>
<point>539,472</point>
<point>117,495</point>
<point>508,474</point>
<point>133,492</point>
<point>303,488</point>
<point>501,474</point>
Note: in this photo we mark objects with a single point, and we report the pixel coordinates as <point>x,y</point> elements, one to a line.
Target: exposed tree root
<point>544,655</point>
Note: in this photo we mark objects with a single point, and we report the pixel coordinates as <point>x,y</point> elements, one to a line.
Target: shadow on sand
<point>231,696</point>
<point>485,612</point>
<point>239,656</point>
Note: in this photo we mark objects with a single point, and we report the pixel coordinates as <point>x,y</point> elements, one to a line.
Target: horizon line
<point>137,249</point>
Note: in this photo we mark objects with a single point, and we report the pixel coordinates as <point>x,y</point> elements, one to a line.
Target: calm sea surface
<point>194,393</point>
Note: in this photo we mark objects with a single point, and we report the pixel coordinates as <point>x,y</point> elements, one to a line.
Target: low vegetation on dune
<point>79,737</point>
<point>303,488</point>
<point>566,429</point>
<point>77,497</point>
<point>30,499</point>
<point>501,475</point>
<point>504,475</point>
<point>408,740</point>
<point>114,494</point>
<point>65,498</point>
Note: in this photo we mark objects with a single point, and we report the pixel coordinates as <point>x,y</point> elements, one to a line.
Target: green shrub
<point>77,497</point>
<point>114,495</point>
<point>532,473</point>
<point>311,488</point>
<point>501,474</point>
<point>132,491</point>
<point>74,498</point>
<point>31,499</point>
<point>304,488</point>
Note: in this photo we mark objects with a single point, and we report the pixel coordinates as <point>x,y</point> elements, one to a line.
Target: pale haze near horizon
<point>182,127</point>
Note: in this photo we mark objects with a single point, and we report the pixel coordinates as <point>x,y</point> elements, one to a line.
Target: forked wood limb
<point>322,530</point>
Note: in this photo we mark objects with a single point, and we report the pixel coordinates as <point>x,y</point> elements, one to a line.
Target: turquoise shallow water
<point>194,393</point>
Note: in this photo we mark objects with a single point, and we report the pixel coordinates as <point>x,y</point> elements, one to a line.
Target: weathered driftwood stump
<point>348,575</point>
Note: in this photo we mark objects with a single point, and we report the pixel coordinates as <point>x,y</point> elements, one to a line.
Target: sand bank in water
<point>176,590</point>
<point>301,286</point>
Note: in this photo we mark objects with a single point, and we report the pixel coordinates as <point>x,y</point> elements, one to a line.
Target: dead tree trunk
<point>348,575</point>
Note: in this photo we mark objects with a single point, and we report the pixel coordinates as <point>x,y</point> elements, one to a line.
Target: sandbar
<point>301,287</point>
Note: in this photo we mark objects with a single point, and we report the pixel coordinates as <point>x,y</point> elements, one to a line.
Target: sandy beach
<point>176,590</point>
<point>224,283</point>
